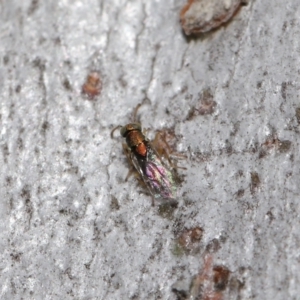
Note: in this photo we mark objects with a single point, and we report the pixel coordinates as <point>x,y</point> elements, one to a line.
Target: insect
<point>157,174</point>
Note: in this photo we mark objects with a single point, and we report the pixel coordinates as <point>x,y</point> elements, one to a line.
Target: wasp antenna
<point>112,132</point>
<point>135,119</point>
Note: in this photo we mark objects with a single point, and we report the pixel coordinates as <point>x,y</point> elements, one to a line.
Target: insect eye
<point>129,127</point>
<point>123,131</point>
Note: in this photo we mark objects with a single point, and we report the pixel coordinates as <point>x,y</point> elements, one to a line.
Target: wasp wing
<point>158,177</point>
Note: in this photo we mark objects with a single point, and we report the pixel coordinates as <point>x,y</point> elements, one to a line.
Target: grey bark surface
<point>70,226</point>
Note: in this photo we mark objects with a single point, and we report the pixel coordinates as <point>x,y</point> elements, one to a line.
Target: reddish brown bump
<point>199,16</point>
<point>204,284</point>
<point>221,275</point>
<point>190,238</point>
<point>93,85</point>
<point>255,182</point>
<point>206,105</point>
<point>272,142</point>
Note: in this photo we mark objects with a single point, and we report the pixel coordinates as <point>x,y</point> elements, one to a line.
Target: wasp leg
<point>127,153</point>
<point>135,118</point>
<point>131,172</point>
<point>113,131</point>
<point>161,145</point>
<point>137,176</point>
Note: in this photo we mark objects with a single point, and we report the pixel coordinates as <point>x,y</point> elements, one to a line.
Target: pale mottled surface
<point>63,236</point>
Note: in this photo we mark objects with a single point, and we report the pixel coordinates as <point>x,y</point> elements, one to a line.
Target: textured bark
<point>71,227</point>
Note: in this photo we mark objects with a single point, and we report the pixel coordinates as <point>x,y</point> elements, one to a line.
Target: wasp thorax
<point>134,136</point>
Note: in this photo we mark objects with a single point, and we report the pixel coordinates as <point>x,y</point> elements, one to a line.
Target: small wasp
<point>157,174</point>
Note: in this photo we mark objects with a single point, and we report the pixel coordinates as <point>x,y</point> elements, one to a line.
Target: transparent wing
<point>157,176</point>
